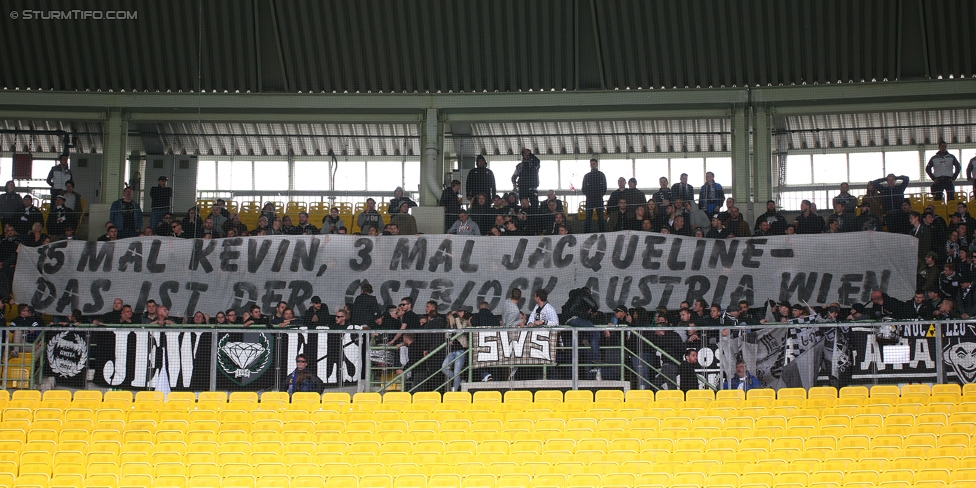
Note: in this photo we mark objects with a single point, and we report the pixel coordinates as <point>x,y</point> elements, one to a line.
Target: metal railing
<point>261,359</point>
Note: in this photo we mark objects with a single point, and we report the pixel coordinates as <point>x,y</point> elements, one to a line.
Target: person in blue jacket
<point>711,195</point>
<point>302,378</point>
<point>126,215</point>
<point>743,379</point>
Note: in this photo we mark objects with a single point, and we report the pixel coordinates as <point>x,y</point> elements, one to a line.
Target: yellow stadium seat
<point>549,480</point>
<point>734,395</point>
<point>787,444</point>
<point>518,396</point>
<point>403,480</point>
<point>889,390</point>
<point>150,396</point>
<point>274,397</point>
<point>121,396</point>
<point>427,397</point>
<point>861,477</point>
<point>946,389</point>
<point>211,397</point>
<point>274,481</point>
<point>310,481</point>
<point>669,395</point>
<point>761,393</point>
<point>241,481</point>
<point>98,480</point>
<point>700,396</point>
<point>293,209</point>
<point>33,396</point>
<point>88,396</point>
<point>792,393</point>
<point>578,396</point>
<point>486,397</point>
<point>615,396</point>
<point>854,391</point>
<point>66,480</point>
<point>549,396</point>
<point>823,477</point>
<point>514,480</point>
<point>203,481</point>
<point>367,397</point>
<point>478,481</point>
<point>463,397</point>
<point>639,396</point>
<point>57,395</point>
<point>916,389</point>
<point>397,397</point>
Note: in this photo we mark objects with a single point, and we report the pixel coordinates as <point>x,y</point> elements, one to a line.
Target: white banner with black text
<point>633,269</point>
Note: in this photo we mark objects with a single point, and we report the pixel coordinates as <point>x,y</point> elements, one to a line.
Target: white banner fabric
<point>634,269</point>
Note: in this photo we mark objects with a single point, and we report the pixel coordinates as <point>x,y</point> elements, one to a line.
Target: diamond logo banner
<point>246,360</point>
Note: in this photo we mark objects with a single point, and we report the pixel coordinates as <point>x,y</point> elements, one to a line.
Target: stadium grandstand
<point>455,244</point>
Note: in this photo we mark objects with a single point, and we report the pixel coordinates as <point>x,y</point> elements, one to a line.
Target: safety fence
<point>206,359</point>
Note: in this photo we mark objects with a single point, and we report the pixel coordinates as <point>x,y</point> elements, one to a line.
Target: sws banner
<point>633,269</point>
<point>503,347</point>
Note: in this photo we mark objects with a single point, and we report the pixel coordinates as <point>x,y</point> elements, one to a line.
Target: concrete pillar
<point>762,156</point>
<point>432,162</point>
<point>741,165</point>
<point>113,166</point>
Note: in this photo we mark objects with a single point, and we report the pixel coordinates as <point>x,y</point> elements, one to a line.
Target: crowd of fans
<point>661,358</point>
<point>946,269</point>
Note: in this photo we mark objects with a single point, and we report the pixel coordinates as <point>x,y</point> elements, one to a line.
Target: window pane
<point>649,171</point>
<point>206,175</point>
<point>384,175</point>
<point>967,155</point>
<point>548,175</point>
<point>571,173</point>
<point>40,168</point>
<point>240,176</point>
<point>6,166</point>
<point>411,177</point>
<point>902,163</point>
<point>722,167</point>
<point>350,176</point>
<point>224,170</point>
<point>271,175</point>
<point>615,168</point>
<point>829,168</point>
<point>798,170</point>
<point>866,167</point>
<point>503,169</point>
<point>311,175</point>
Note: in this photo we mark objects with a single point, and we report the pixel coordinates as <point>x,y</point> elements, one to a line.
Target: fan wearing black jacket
<point>580,311</point>
<point>917,308</point>
<point>687,377</point>
<point>480,181</point>
<point>594,187</point>
<point>668,342</point>
<point>526,177</point>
